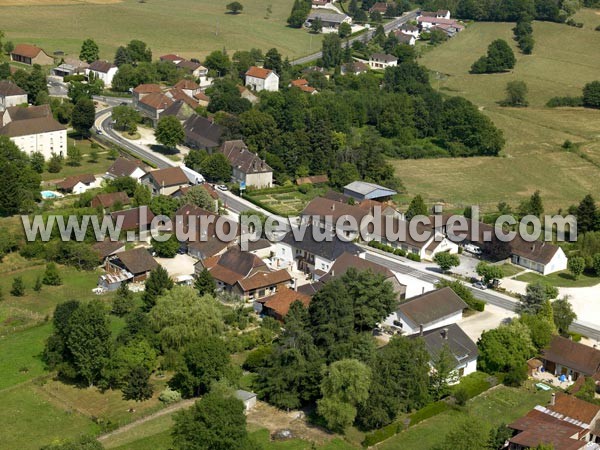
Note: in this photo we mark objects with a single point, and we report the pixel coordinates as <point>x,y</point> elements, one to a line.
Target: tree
<point>90,51</point>
<point>499,436</point>
<point>541,329</point>
<point>180,317</point>
<point>199,196</point>
<point>316,25</point>
<point>169,132</point>
<point>217,422</point>
<point>446,261</point>
<point>345,30</point>
<point>219,62</point>
<point>516,94</point>
<point>73,156</point>
<point>156,284</point>
<point>535,298</point>
<point>9,46</point>
<point>591,94</point>
<point>4,71</point>
<point>216,168</point>
<point>442,373</point>
<point>37,287</point>
<point>51,276</point>
<point>89,340</point>
<point>204,362</point>
<point>37,162</point>
<point>138,385</point>
<point>124,302</point>
<point>126,118</point>
<point>84,116</point>
<point>138,52</point>
<point>122,57</point>
<point>166,248</point>
<point>274,61</point>
<point>576,266</point>
<point>345,385</point>
<point>587,215</point>
<point>332,51</point>
<point>345,174</point>
<point>205,283</point>
<point>587,391</point>
<point>499,58</point>
<point>504,348</point>
<point>142,195</point>
<point>489,272</point>
<point>596,263</point>
<point>234,7</point>
<point>20,183</point>
<point>18,287</point>
<point>536,206</point>
<point>416,207</point>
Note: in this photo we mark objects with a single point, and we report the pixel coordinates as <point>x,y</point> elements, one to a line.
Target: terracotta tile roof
<point>134,219</point>
<point>300,82</point>
<point>243,159</point>
<point>148,89</point>
<point>170,57</point>
<point>432,306</point>
<point>110,199</point>
<point>178,94</point>
<point>264,279</point>
<point>8,88</point>
<point>258,72</point>
<point>348,260</point>
<point>320,206</point>
<point>137,261</point>
<point>123,167</point>
<point>190,65</point>
<point>172,176</point>
<point>576,356</point>
<point>157,101</point>
<point>574,408</point>
<point>242,263</point>
<point>70,182</point>
<point>187,85</point>
<point>281,301</point>
<point>101,66</point>
<point>201,96</point>
<point>27,50</point>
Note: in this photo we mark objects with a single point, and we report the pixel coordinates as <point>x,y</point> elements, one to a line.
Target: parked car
<point>222,187</point>
<point>480,285</point>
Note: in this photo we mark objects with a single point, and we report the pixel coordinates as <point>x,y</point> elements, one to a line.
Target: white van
<point>473,249</point>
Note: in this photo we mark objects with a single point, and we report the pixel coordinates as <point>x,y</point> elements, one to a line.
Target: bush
<point>477,305</point>
<point>461,396</point>
<point>304,188</point>
<point>473,384</point>
<point>573,23</point>
<point>597,28</point>
<point>557,102</point>
<point>382,434</point>
<point>433,409</point>
<point>414,257</point>
<point>169,396</point>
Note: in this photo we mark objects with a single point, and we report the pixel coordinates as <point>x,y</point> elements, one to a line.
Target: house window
<point>461,371</point>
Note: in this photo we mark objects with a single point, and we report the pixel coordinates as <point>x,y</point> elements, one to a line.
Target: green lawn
<point>285,203</point>
<point>563,60</point>
<point>190,28</point>
<point>29,420</point>
<point>560,279</point>
<point>510,270</point>
<point>97,168</point>
<point>498,405</point>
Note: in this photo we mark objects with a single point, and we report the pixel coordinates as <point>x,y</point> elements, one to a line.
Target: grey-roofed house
<point>362,190</point>
<point>132,266</point>
<point>312,255</point>
<point>572,359</point>
<point>382,61</point>
<point>462,348</point>
<point>11,95</point>
<point>165,181</point>
<point>202,133</point>
<point>123,167</point>
<point>328,19</point>
<point>247,166</point>
<point>102,70</point>
<point>434,309</point>
<point>70,66</point>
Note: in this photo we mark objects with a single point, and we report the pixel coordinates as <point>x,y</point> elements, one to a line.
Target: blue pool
<point>48,194</point>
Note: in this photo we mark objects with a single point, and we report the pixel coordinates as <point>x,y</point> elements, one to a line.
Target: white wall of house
<point>465,369</point>
<point>107,77</point>
<point>12,100</point>
<point>557,263</point>
<point>271,83</point>
<point>80,187</point>
<point>45,143</point>
<point>284,255</point>
<point>259,180</point>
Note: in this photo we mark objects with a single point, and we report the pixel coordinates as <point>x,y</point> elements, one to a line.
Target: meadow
<point>190,28</point>
<point>563,61</point>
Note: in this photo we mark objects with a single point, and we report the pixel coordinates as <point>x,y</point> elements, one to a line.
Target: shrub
<point>433,409</point>
<point>382,434</point>
<point>461,396</point>
<point>414,257</point>
<point>557,102</point>
<point>169,396</point>
<point>597,28</point>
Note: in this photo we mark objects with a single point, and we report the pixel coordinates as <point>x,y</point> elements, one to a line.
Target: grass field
<point>498,405</point>
<point>97,168</point>
<point>560,279</point>
<point>190,28</point>
<point>563,60</point>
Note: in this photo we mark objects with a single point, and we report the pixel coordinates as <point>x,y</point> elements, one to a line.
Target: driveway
<point>476,324</point>
<point>180,265</point>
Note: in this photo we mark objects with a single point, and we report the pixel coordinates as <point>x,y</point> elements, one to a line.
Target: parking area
<point>180,265</point>
<point>493,316</point>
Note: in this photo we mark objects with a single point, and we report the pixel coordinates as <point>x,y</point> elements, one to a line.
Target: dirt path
<point>163,412</point>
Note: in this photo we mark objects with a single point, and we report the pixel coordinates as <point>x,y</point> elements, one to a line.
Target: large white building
<point>34,129</point>
<point>260,79</point>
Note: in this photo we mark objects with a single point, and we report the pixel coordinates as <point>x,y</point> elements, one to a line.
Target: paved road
<point>493,298</point>
<point>412,15</point>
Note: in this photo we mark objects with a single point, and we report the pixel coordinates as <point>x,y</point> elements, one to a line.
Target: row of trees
<point>523,31</point>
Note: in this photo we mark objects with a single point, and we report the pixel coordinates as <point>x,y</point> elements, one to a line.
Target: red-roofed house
<point>302,84</point>
<point>30,54</point>
<point>260,79</point>
<point>152,105</point>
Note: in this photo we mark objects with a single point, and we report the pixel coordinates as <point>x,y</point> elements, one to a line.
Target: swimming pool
<point>50,194</point>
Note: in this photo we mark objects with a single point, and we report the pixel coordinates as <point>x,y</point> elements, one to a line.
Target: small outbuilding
<point>248,398</point>
<point>361,190</point>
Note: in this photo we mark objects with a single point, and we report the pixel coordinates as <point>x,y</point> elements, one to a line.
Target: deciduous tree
<point>90,51</point>
<point>169,132</point>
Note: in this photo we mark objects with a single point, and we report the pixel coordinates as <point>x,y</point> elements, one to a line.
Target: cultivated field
<point>191,28</point>
<point>563,60</point>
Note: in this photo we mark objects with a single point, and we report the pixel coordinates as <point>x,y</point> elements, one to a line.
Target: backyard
<point>563,60</point>
<point>561,279</point>
<point>285,201</point>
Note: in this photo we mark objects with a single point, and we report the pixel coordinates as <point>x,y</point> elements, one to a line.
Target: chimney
<point>553,399</point>
<point>332,273</point>
<point>423,290</point>
<point>421,330</point>
<point>444,334</point>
